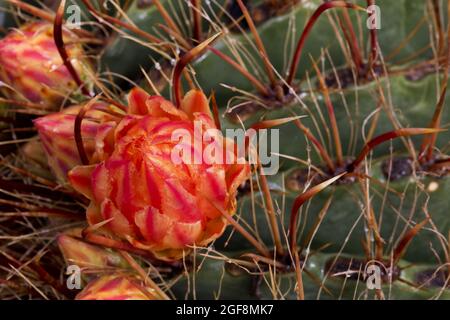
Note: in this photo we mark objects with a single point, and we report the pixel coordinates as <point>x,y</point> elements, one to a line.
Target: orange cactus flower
<point>154,202</point>
<point>32,68</point>
<point>115,287</point>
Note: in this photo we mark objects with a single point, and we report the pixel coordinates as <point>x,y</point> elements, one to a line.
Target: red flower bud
<point>154,202</point>
<point>56,132</point>
<point>32,69</point>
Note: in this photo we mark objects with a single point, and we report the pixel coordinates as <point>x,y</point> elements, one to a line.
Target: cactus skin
<point>413,102</point>
<point>31,65</point>
<point>345,211</point>
<point>217,282</point>
<point>398,19</point>
<point>125,57</point>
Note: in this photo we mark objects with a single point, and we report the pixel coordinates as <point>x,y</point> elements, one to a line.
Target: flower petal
<point>136,101</point>
<point>119,224</point>
<point>80,179</point>
<point>152,224</point>
<point>195,101</point>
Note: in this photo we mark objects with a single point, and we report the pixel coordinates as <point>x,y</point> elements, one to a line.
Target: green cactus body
<point>272,32</point>
<point>344,225</point>
<point>217,279</point>
<point>412,102</point>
